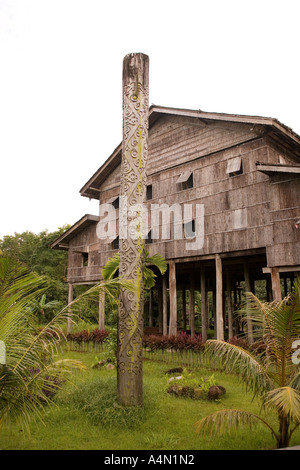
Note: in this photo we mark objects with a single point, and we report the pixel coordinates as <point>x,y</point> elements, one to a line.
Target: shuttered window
<point>185,181</point>
<point>235,166</point>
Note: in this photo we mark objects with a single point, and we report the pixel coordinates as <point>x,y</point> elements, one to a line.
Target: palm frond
<point>286,401</point>
<point>236,360</point>
<point>295,382</point>
<point>156,260</point>
<point>227,420</point>
<point>278,325</point>
<point>31,371</point>
<point>111,267</point>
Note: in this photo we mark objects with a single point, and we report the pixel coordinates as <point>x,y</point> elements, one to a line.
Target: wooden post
<point>160,307</point>
<point>183,307</point>
<point>165,305</point>
<point>192,305</point>
<point>268,289</point>
<point>229,304</point>
<point>285,284</point>
<point>132,245</point>
<point>151,308</point>
<point>248,289</point>
<point>214,308</point>
<point>276,287</point>
<point>219,298</point>
<point>173,299</point>
<point>204,317</point>
<point>101,311</point>
<point>70,300</point>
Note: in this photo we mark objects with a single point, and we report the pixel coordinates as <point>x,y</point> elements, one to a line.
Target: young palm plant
<point>273,375</point>
<point>112,266</point>
<point>32,370</point>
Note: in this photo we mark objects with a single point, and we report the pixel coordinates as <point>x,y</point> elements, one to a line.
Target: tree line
<point>33,251</point>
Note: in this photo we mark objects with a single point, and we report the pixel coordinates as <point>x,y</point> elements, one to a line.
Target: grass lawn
<point>87,417</point>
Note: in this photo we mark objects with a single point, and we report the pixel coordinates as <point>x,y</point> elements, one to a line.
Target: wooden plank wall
<point>242,212</point>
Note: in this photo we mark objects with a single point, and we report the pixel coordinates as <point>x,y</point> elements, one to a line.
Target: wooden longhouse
<point>245,173</point>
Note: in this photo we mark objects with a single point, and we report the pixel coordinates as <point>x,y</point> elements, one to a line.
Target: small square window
<point>189,229</point>
<point>185,181</point>
<point>116,243</point>
<point>85,259</point>
<point>235,166</point>
<point>149,192</point>
<point>116,202</point>
<point>149,239</point>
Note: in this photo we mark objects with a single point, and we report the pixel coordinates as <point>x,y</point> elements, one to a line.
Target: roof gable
<point>62,242</point>
<point>235,128</point>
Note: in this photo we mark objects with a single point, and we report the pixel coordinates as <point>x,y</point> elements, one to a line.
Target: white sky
<point>61,85</point>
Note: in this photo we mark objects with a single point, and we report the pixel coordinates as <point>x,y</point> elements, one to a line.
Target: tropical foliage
<point>180,342</point>
<point>271,375</point>
<point>32,372</point>
<point>156,260</point>
<point>33,250</point>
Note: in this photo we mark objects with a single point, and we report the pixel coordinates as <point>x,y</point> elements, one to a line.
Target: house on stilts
<point>243,174</point>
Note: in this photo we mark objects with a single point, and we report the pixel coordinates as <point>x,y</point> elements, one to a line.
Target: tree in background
<point>33,250</point>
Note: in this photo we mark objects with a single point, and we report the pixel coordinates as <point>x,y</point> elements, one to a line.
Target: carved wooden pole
<point>173,299</point>
<point>133,190</point>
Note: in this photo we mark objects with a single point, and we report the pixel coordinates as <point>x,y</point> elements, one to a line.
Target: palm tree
<point>273,376</point>
<point>112,266</point>
<point>32,370</point>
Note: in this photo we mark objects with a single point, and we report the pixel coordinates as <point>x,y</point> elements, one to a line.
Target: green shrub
<point>189,382</point>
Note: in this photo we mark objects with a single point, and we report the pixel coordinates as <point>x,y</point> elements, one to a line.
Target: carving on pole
<point>133,189</point>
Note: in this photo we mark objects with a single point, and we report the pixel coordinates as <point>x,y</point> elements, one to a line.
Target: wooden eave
<point>275,169</point>
<point>275,129</point>
<point>91,188</point>
<point>62,242</point>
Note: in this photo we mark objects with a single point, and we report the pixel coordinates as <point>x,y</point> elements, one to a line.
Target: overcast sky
<point>61,85</point>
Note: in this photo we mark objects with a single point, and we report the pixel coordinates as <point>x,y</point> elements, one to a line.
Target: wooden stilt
<point>204,317</point>
<point>101,311</point>
<point>268,289</point>
<point>165,305</point>
<point>151,308</point>
<point>219,298</point>
<point>184,307</point>
<point>276,287</point>
<point>160,308</point>
<point>214,309</point>
<point>248,289</point>
<point>285,284</point>
<point>192,305</point>
<point>229,304</point>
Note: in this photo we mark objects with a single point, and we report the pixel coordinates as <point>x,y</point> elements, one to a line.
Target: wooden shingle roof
<point>277,131</point>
